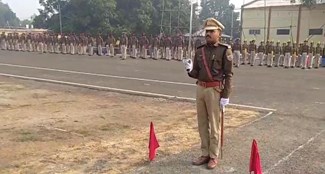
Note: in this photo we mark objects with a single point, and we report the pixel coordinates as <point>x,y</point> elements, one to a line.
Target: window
<point>254,32</point>
<point>318,31</point>
<point>282,31</point>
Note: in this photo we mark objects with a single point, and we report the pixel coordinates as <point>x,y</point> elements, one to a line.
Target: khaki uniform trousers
<point>84,49</point>
<point>168,53</point>
<point>281,59</point>
<point>237,57</point>
<point>277,60</point>
<point>269,59</point>
<point>90,50</point>
<point>144,52</point>
<point>310,61</point>
<point>162,53</point>
<point>57,48</point>
<point>134,52</point>
<point>72,49</point>
<point>123,51</point>
<point>317,61</point>
<point>245,57</point>
<point>100,50</point>
<point>208,116</point>
<point>299,60</point>
<point>304,60</point>
<point>260,55</point>
<point>287,60</point>
<point>155,53</point>
<point>3,44</point>
<point>64,49</point>
<point>294,60</point>
<point>252,58</point>
<point>111,50</point>
<point>180,53</point>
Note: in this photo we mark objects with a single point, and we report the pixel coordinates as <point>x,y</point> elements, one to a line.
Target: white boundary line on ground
<point>125,91</point>
<point>295,150</point>
<point>249,123</point>
<point>96,74</point>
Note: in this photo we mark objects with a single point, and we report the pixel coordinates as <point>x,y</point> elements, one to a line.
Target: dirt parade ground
<point>49,128</point>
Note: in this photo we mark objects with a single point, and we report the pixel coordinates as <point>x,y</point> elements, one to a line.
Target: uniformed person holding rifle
<point>212,67</point>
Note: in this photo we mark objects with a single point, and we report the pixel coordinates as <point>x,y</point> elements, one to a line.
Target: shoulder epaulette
<point>225,45</point>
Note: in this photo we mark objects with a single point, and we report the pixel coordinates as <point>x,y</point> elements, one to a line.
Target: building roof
<point>270,3</point>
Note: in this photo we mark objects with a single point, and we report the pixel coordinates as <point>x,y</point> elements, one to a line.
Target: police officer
<point>212,68</point>
<point>236,49</point>
<point>287,55</point>
<point>277,52</point>
<point>145,46</point>
<point>299,61</point>
<point>3,41</point>
<point>124,43</point>
<point>155,45</point>
<point>252,51</point>
<point>244,52</point>
<point>294,55</point>
<point>304,55</point>
<point>162,46</point>
<point>261,52</point>
<point>269,52</point>
<point>99,42</point>
<point>179,44</point>
<point>282,54</point>
<point>134,45</point>
<point>318,52</point>
<point>111,43</point>
<point>168,44</point>
<point>311,55</point>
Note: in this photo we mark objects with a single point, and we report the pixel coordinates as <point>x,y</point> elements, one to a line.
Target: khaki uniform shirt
<point>219,60</point>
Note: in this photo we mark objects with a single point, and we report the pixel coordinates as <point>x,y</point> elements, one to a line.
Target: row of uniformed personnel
<point>287,54</point>
<point>165,47</point>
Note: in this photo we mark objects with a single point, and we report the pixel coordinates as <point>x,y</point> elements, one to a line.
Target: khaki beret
<point>213,24</point>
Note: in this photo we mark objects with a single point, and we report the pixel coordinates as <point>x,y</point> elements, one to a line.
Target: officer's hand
<point>224,102</point>
<point>188,64</point>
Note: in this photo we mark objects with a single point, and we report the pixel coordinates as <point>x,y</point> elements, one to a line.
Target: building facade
<point>283,20</point>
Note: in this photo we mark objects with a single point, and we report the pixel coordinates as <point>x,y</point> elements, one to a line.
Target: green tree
<point>308,2</point>
<point>25,22</point>
<point>176,17</point>
<point>78,16</point>
<point>133,15</point>
<point>7,17</point>
<point>223,11</point>
<point>115,16</point>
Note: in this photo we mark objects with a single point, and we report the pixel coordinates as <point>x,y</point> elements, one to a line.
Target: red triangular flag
<point>255,163</point>
<point>153,143</point>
